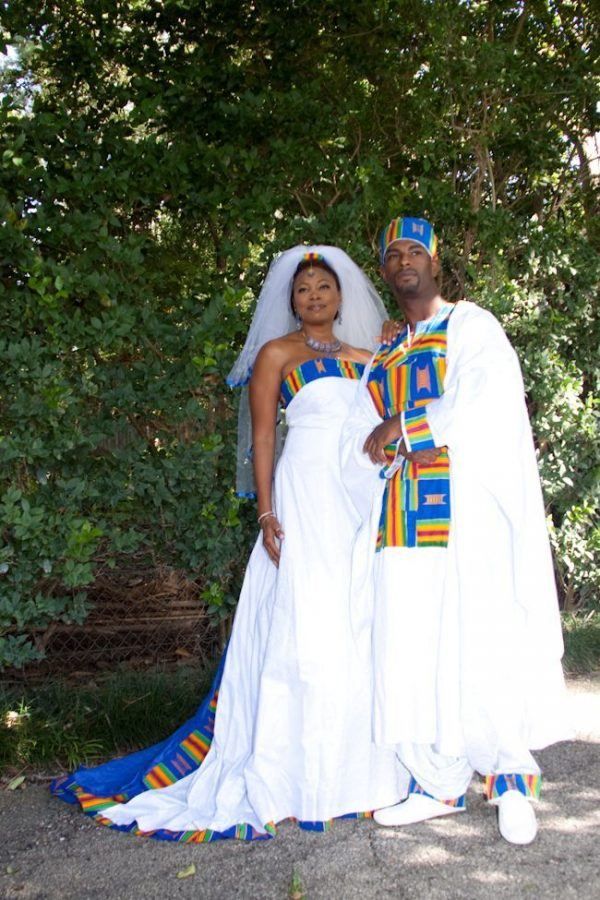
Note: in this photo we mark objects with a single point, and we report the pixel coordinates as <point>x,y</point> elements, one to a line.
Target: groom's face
<point>408,269</point>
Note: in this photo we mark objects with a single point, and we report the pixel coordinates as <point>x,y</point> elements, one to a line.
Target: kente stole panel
<point>404,378</point>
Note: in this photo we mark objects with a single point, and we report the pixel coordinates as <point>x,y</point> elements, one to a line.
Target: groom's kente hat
<point>408,228</point>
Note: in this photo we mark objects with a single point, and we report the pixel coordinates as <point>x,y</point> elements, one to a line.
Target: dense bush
<point>154,157</point>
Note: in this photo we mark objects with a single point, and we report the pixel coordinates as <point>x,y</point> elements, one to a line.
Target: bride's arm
<point>265,385</point>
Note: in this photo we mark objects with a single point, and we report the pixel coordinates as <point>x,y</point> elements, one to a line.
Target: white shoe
<point>416,808</point>
<point>516,818</point>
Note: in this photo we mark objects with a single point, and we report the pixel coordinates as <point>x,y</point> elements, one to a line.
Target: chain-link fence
<point>137,620</point>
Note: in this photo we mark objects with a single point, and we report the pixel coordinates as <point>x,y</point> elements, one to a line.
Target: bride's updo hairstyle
<point>315,261</point>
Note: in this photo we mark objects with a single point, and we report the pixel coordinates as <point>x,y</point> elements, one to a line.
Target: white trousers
<point>417,677</point>
<point>447,777</point>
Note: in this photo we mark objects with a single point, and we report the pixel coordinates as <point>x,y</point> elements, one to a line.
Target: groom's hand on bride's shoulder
<point>390,331</point>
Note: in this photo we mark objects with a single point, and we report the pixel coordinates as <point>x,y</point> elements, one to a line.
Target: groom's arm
<point>391,434</point>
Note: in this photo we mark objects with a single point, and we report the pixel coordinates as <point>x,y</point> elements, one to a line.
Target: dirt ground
<point>49,850</point>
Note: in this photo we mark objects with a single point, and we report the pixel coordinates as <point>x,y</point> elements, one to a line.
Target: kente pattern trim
<point>528,785</point>
<point>457,803</point>
<point>313,369</point>
<point>171,760</point>
<point>404,378</point>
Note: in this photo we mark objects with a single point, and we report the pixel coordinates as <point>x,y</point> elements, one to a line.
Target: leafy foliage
<point>154,157</point>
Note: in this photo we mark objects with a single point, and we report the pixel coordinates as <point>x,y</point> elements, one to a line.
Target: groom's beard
<point>407,284</point>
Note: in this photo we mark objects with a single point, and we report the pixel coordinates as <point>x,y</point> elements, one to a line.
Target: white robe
<point>490,671</point>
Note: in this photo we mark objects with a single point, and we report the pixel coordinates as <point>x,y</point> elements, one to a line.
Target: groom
<point>466,636</point>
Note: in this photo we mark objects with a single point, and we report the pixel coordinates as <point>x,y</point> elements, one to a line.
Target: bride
<point>290,732</point>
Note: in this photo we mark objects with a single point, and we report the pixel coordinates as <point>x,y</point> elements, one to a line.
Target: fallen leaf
<point>10,870</point>
<point>185,873</point>
<point>15,783</point>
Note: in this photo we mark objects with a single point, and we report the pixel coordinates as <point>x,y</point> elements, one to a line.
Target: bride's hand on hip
<point>272,536</point>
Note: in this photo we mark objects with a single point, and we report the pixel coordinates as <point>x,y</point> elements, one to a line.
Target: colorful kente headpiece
<point>407,228</point>
<point>314,257</point>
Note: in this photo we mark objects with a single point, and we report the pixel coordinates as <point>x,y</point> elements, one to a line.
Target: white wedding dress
<point>292,733</point>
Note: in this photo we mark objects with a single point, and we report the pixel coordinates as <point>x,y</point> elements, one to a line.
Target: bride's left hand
<point>272,537</point>
<point>390,331</point>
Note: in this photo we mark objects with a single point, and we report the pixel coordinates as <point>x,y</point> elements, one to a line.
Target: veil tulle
<point>362,310</point>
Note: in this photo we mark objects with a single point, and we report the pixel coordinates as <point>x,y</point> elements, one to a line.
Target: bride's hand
<point>390,331</point>
<point>272,535</point>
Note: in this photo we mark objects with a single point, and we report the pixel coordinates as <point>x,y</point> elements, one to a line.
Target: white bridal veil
<point>363,313</point>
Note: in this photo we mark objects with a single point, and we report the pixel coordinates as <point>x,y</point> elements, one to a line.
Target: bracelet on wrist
<point>265,515</point>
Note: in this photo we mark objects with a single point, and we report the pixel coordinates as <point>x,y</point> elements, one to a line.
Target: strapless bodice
<point>316,370</point>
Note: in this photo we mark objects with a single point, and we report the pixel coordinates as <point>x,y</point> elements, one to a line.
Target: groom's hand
<point>386,433</point>
<point>423,457</point>
<point>389,432</point>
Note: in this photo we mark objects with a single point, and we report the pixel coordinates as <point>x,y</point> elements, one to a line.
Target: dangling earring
<point>297,318</point>
<point>338,315</point>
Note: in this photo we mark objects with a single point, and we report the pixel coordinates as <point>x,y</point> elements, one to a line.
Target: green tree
<point>155,156</point>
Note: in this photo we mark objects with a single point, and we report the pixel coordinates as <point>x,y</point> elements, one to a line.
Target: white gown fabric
<point>467,640</point>
<point>293,723</point>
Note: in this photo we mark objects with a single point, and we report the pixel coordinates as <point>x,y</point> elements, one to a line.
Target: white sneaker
<point>516,818</point>
<point>416,808</point>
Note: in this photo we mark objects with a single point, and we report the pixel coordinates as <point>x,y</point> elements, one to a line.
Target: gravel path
<point>49,850</point>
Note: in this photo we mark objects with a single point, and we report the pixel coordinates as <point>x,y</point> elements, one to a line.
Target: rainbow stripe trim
<point>401,352</point>
<point>415,510</point>
<point>528,785</point>
<point>404,376</point>
<point>403,380</point>
<point>183,757</point>
<point>457,803</point>
<point>416,428</point>
<point>408,228</point>
<point>314,257</point>
<point>94,807</point>
<point>313,369</point>
<point>190,752</point>
<point>431,533</point>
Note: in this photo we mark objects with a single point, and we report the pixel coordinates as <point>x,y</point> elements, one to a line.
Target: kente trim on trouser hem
<point>457,803</point>
<point>528,785</point>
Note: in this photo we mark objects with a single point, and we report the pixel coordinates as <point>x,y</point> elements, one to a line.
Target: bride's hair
<point>315,264</point>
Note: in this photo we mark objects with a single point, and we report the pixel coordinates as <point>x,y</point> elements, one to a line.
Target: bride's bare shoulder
<point>279,350</point>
